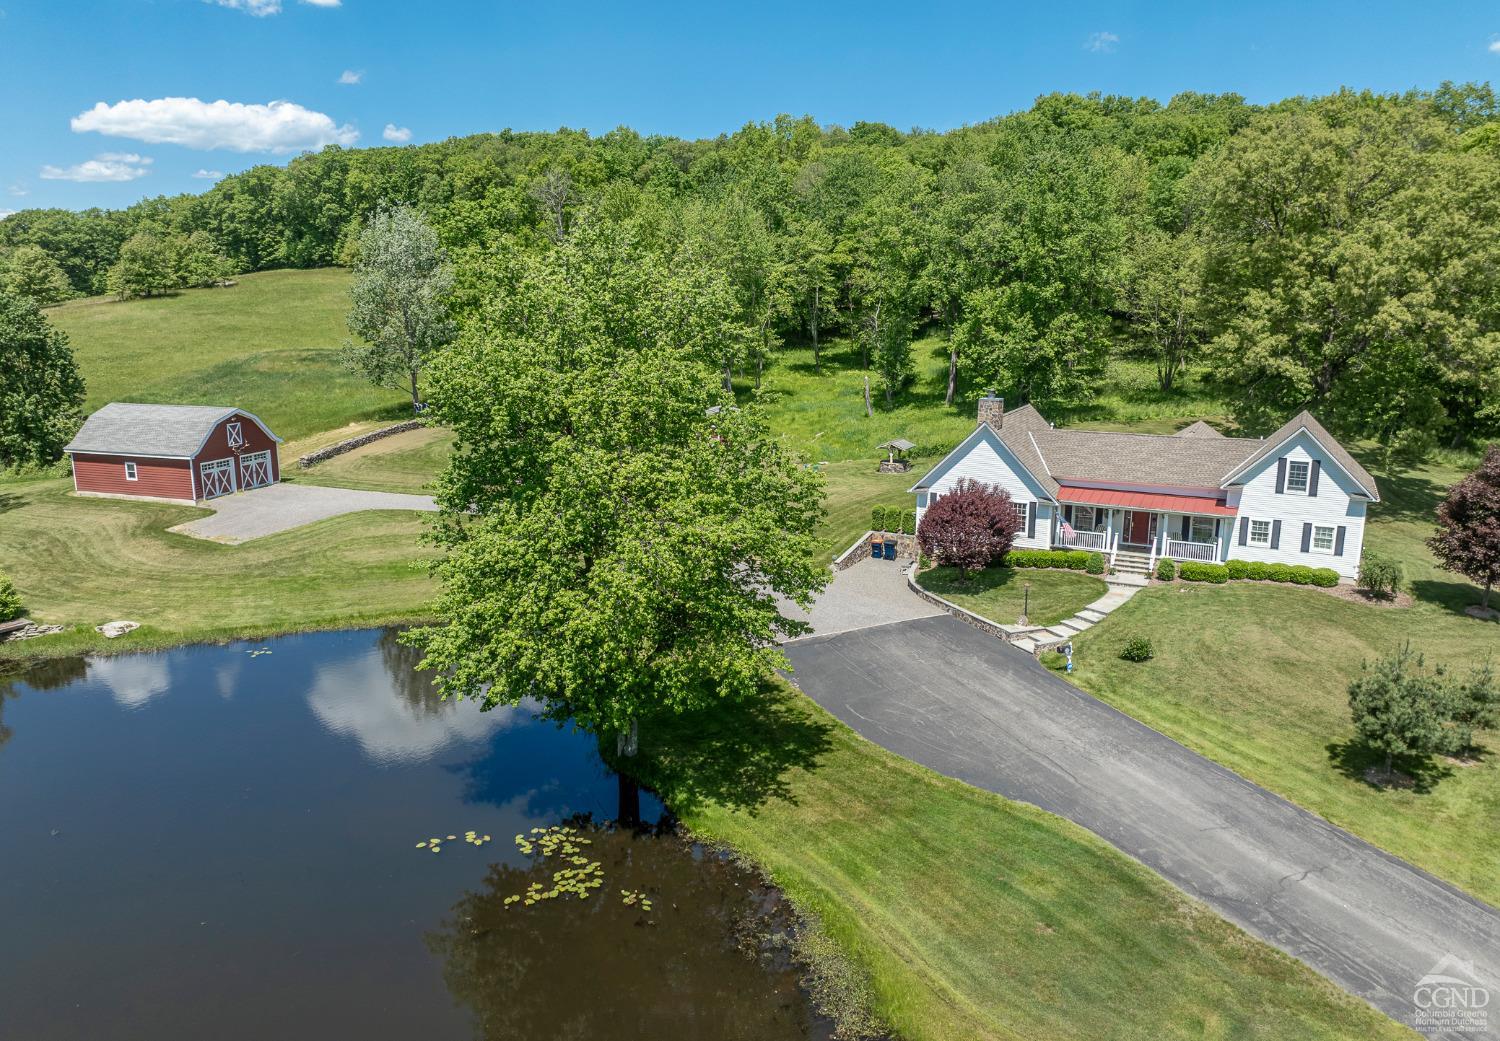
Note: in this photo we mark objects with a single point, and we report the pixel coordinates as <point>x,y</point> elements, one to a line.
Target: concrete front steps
<point>1036,640</point>
<point>1128,562</point>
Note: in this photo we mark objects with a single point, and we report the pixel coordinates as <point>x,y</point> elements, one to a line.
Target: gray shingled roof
<point>166,431</point>
<point>1304,421</point>
<point>1197,456</point>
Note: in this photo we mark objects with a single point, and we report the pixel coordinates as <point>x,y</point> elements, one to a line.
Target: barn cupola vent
<point>992,410</point>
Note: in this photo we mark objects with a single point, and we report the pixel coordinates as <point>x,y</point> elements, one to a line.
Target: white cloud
<point>280,127</point>
<point>349,77</point>
<point>1102,43</point>
<point>19,189</point>
<point>109,166</point>
<point>208,175</point>
<point>1494,45</point>
<point>400,135</point>
<point>263,8</point>
<point>5,213</point>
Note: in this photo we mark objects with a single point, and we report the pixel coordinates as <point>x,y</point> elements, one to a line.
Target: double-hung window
<point>1020,508</point>
<point>130,474</point>
<point>1297,475</point>
<point>1260,533</point>
<point>1322,538</point>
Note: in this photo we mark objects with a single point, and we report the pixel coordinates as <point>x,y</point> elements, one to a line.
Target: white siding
<point>989,463</point>
<point>1338,503</point>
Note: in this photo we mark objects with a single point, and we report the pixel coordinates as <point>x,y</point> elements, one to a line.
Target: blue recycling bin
<point>890,549</point>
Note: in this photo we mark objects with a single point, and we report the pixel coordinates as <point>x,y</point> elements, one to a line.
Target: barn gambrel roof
<point>158,431</point>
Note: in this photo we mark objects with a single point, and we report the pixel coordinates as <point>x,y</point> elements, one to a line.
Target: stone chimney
<point>992,410</point>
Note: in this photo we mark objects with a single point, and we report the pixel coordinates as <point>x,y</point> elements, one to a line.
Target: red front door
<point>1138,528</point>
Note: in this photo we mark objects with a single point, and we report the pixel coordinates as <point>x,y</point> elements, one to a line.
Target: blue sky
<point>103,102</point>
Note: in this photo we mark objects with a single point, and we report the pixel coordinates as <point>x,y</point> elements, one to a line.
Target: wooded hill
<point>1336,253</point>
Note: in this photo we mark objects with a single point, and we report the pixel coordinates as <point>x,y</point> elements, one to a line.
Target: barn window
<point>236,435</point>
<point>130,471</point>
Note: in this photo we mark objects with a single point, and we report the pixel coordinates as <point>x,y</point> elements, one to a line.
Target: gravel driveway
<point>870,592</point>
<point>967,705</point>
<point>281,507</point>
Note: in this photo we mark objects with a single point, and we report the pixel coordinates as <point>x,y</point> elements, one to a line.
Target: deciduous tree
<point>147,266</point>
<point>1468,535</point>
<point>31,272</point>
<point>969,528</point>
<point>399,301</point>
<point>617,534</point>
<point>41,393</point>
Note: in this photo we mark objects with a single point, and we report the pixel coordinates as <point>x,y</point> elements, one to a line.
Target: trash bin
<point>890,549</point>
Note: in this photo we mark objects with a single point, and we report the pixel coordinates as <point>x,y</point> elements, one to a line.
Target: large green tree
<point>147,267</point>
<point>399,301</point>
<point>31,272</point>
<point>617,536</point>
<point>41,392</point>
<point>1354,268</point>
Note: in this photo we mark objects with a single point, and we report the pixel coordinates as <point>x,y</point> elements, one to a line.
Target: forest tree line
<point>1336,253</point>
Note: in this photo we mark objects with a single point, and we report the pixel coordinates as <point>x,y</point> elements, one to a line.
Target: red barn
<point>179,453</point>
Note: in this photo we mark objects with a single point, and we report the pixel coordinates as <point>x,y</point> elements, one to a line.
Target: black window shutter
<point>1306,538</point>
<point>1068,513</point>
<point>1281,476</point>
<point>1187,527</point>
<point>1338,542</point>
<point>1312,479</point>
<point>1031,520</point>
<point>1276,534</point>
<point>1244,530</point>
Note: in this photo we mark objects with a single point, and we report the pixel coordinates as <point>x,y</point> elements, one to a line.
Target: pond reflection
<point>219,842</point>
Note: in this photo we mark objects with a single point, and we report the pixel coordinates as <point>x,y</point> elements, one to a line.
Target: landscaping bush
<point>1095,566</point>
<point>908,522</point>
<point>1238,568</point>
<point>1325,577</point>
<point>1166,569</point>
<point>1378,575</point>
<point>970,528</point>
<point>1071,560</point>
<point>1279,572</point>
<point>1138,648</point>
<point>1258,571</point>
<point>10,601</point>
<point>1078,559</point>
<point>1301,575</point>
<point>877,518</point>
<point>1196,571</point>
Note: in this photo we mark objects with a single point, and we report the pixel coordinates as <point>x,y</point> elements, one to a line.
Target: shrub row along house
<point>175,453</point>
<point>1296,497</point>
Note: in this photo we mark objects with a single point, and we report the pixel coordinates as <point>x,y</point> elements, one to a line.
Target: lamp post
<point>1025,603</point>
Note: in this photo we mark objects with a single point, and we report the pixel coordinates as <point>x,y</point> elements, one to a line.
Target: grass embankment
<point>269,344</point>
<point>976,917</point>
<point>999,593</point>
<point>405,462</point>
<point>1256,677</point>
<point>84,561</point>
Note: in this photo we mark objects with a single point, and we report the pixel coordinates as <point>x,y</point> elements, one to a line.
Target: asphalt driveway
<point>281,507</point>
<point>941,693</point>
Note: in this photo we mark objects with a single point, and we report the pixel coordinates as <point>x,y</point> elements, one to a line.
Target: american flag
<point>1067,530</point>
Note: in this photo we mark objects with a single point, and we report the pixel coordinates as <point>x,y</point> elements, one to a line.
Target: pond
<point>235,842</point>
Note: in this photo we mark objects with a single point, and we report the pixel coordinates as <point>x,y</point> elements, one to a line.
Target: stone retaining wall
<point>313,458</point>
<point>860,550</point>
<point>979,622</point>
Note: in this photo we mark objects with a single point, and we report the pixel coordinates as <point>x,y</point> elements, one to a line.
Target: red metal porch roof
<point>1158,501</point>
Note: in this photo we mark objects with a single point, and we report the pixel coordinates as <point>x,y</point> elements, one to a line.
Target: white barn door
<point>255,470</point>
<point>218,477</point>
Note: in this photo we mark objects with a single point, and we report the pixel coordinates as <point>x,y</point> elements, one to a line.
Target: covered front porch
<point>1154,525</point>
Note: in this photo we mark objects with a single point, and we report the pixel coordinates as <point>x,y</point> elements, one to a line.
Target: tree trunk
<point>728,378</point>
<point>1389,769</point>
<point>813,323</point>
<point>869,412</point>
<point>415,401</point>
<point>627,741</point>
<point>1485,601</point>
<point>952,371</point>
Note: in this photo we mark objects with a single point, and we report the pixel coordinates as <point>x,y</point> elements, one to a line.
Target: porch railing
<point>1084,539</point>
<point>1207,552</point>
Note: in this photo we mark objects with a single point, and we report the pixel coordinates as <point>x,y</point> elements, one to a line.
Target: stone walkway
<point>281,507</point>
<point>1033,640</point>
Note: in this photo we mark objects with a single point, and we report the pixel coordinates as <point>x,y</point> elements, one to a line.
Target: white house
<point>1296,497</point>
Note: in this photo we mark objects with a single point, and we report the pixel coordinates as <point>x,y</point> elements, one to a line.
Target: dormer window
<point>1298,474</point>
<point>236,435</point>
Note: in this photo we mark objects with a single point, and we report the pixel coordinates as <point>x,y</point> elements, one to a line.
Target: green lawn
<point>999,593</point>
<point>973,916</point>
<point>83,561</point>
<point>853,488</point>
<point>269,344</point>
<point>1256,677</point>
<point>405,462</point>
